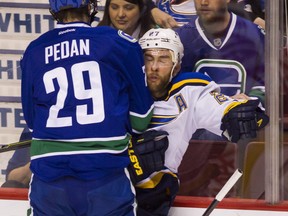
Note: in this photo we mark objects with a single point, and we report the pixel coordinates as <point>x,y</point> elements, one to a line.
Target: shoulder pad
<point>126,36</point>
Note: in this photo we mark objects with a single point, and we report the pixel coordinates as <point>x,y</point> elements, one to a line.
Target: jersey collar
<point>230,31</point>
<point>73,24</point>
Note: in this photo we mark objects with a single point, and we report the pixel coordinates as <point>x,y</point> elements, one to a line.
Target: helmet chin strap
<point>174,65</point>
<point>171,73</point>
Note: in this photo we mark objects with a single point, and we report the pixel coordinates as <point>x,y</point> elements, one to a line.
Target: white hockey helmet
<point>163,39</point>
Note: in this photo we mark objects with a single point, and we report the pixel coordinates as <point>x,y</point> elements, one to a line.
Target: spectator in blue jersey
<point>184,10</point>
<point>226,47</point>
<point>162,18</point>
<point>181,10</point>
<point>82,98</point>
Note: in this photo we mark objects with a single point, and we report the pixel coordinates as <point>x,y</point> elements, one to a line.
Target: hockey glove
<point>147,154</point>
<point>243,120</point>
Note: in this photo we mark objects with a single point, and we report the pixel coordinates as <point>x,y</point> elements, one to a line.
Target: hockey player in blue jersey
<point>82,98</point>
<point>226,47</point>
<point>184,102</point>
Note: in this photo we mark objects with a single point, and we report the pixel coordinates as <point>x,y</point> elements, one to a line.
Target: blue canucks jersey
<point>235,62</point>
<point>83,92</point>
<point>182,12</point>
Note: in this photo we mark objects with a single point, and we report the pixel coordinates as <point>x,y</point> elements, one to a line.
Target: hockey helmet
<point>58,5</point>
<point>163,39</point>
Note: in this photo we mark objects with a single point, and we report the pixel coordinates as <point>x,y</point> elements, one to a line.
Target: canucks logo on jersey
<point>126,36</point>
<point>181,11</point>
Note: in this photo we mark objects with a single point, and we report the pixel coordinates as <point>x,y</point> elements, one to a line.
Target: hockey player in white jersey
<point>184,102</point>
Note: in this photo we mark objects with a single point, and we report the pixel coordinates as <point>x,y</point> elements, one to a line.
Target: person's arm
<point>163,19</point>
<point>259,21</point>
<point>19,177</point>
<point>141,103</point>
<point>160,17</point>
<point>246,10</point>
<point>17,172</point>
<point>240,96</point>
<point>27,89</point>
<point>232,118</point>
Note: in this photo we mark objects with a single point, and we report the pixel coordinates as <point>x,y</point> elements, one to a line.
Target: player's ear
<point>176,69</point>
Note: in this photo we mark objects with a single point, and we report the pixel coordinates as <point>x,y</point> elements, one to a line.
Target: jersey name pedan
<point>66,49</point>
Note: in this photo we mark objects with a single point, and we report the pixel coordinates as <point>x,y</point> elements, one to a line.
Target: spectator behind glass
<point>226,47</point>
<point>253,10</point>
<point>181,10</point>
<point>217,44</point>
<point>184,10</point>
<point>18,172</point>
<point>131,16</point>
<point>82,98</point>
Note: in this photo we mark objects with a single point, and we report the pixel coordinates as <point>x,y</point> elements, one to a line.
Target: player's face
<point>158,66</point>
<point>124,15</point>
<point>210,11</point>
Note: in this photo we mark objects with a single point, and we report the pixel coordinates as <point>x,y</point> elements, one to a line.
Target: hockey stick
<point>14,146</point>
<point>222,193</point>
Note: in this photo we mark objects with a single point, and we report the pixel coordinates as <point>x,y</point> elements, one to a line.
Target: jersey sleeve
<point>211,107</point>
<point>141,101</point>
<point>258,81</point>
<point>27,90</point>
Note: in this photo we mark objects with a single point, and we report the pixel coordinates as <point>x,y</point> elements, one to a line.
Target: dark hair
<point>74,13</point>
<point>146,18</point>
<point>84,12</point>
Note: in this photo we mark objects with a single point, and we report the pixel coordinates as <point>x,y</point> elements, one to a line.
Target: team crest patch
<point>219,97</point>
<point>126,36</point>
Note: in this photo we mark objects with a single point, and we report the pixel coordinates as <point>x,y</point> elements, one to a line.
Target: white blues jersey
<point>193,102</point>
<point>234,61</point>
<point>83,93</point>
